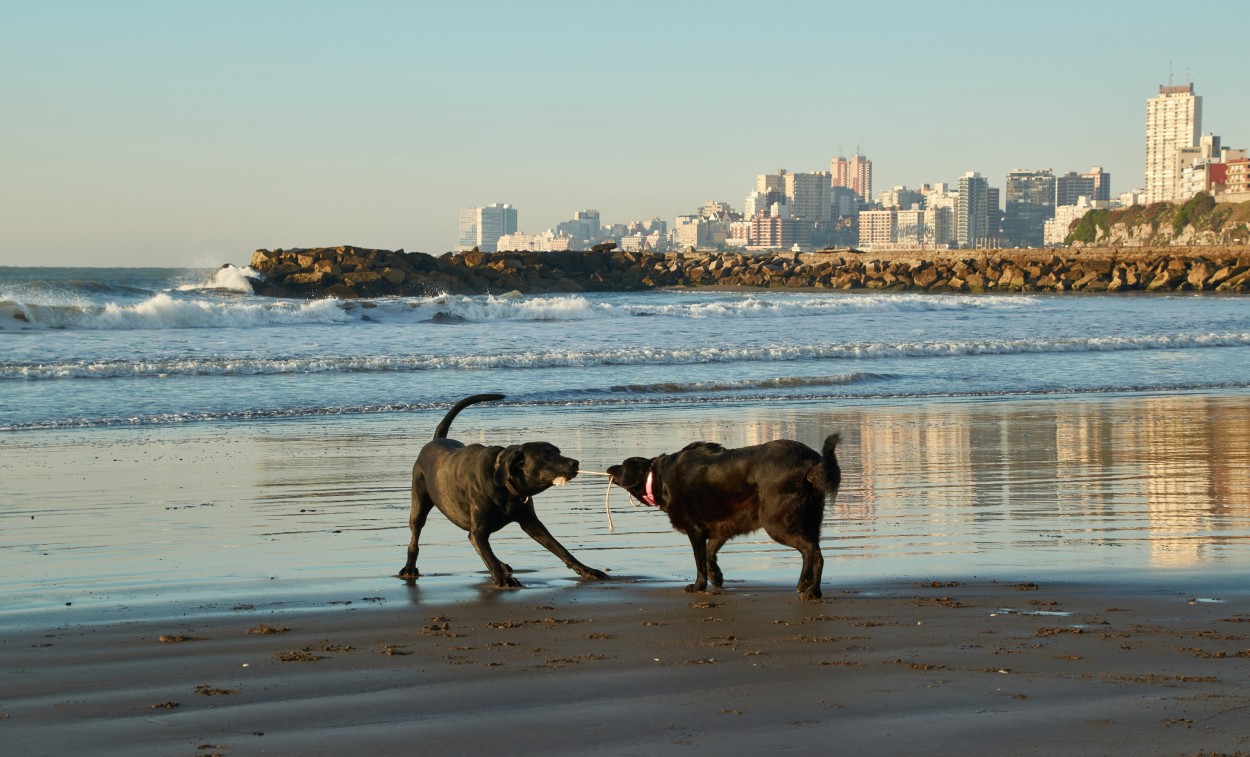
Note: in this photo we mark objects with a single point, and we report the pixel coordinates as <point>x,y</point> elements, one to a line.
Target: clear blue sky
<point>186,133</point>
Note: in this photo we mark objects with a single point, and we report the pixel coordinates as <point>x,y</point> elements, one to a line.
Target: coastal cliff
<point>348,272</point>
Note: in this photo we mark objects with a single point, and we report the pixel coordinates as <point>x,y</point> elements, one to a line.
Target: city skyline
<point>153,134</point>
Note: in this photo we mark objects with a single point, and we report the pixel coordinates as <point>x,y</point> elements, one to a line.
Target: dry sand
<point>629,667</point>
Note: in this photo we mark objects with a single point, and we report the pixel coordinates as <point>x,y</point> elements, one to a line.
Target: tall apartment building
<point>941,206</point>
<point>910,227</point>
<point>771,202</point>
<point>993,217</point>
<point>583,229</point>
<point>843,201</point>
<point>770,190</point>
<point>855,174</point>
<point>1173,122</point>
<point>808,196</point>
<point>1102,184</point>
<point>1072,186</point>
<point>771,182</point>
<point>899,197</point>
<point>1030,203</point>
<point>972,222</point>
<point>482,227</point>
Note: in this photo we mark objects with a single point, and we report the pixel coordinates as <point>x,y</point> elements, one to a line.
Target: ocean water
<point>144,347</point>
<point>168,428</point>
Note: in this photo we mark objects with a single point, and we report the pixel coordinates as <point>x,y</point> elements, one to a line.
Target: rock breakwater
<point>348,272</point>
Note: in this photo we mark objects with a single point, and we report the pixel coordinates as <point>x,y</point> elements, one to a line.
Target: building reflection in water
<point>1167,476</point>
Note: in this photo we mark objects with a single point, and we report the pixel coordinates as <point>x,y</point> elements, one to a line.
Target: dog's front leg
<point>500,573</point>
<point>539,533</point>
<point>698,542</point>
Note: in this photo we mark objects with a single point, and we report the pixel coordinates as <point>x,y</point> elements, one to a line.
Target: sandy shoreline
<point>625,667</point>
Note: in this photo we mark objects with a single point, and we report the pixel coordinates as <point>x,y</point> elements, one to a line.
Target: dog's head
<point>631,475</point>
<point>533,467</point>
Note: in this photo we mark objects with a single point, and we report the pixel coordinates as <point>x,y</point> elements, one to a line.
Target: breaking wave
<point>224,301</point>
<point>635,356</point>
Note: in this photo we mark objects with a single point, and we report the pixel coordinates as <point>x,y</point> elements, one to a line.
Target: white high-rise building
<point>1173,123</point>
<point>972,223</point>
<point>482,227</point>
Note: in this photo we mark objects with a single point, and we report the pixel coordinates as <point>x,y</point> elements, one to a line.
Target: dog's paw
<point>507,582</point>
<point>591,574</point>
<point>811,595</point>
<point>409,574</point>
<point>696,587</point>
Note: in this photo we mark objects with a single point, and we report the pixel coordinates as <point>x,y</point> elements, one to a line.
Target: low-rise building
<point>547,241</point>
<point>769,232</point>
<point>1055,230</point>
<point>909,227</point>
<point>877,227</point>
<point>1237,177</point>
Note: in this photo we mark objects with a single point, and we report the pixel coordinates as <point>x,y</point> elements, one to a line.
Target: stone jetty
<point>348,272</point>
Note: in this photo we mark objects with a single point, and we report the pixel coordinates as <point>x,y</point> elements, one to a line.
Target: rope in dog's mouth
<point>607,509</point>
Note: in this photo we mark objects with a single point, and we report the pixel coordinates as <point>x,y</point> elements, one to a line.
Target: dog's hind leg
<point>501,574</point>
<point>813,562</point>
<point>421,506</point>
<point>698,542</point>
<point>813,568</point>
<point>714,576</point>
<point>807,541</point>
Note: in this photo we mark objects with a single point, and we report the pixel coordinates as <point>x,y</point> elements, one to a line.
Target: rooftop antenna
<point>1169,73</point>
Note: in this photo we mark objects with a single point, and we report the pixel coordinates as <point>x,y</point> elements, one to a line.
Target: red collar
<point>648,496</point>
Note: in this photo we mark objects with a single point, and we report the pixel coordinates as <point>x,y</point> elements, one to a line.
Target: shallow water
<point>113,522</point>
<point>169,440</point>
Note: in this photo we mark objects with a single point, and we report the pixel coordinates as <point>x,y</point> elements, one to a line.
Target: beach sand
<point>624,667</point>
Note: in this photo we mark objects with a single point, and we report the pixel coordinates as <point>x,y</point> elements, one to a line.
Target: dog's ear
<point>508,463</point>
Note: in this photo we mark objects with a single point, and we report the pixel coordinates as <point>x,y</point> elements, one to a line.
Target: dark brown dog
<point>713,494</point>
<point>482,489</point>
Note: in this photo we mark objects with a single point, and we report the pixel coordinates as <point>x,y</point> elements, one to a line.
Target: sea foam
<point>635,356</point>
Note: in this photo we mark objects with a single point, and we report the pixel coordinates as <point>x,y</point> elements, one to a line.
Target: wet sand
<point>623,667</point>
<point>1049,577</point>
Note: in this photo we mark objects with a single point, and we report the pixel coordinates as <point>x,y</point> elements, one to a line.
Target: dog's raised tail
<point>445,425</point>
<point>829,465</point>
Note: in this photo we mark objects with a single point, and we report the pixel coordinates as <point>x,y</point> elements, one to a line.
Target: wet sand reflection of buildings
<point>1167,476</point>
<point>1173,472</point>
<point>1193,459</point>
<point>920,458</point>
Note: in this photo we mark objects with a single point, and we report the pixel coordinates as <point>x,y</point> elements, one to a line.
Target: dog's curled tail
<point>829,465</point>
<point>445,425</point>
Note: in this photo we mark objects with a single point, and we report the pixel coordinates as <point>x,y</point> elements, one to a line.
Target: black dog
<point>713,494</point>
<point>482,489</point>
